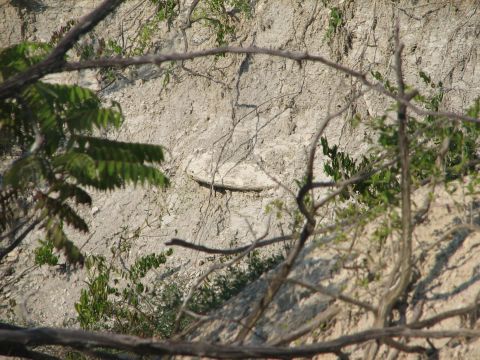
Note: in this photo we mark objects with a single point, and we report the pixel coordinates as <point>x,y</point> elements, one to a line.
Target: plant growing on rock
<point>50,134</point>
<point>416,145</point>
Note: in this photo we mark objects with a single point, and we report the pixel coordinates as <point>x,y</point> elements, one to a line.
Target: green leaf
<point>44,254</point>
<point>20,57</point>
<point>425,77</point>
<point>81,166</point>
<point>104,149</point>
<point>67,191</point>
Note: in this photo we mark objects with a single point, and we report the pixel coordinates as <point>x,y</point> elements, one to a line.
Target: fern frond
<point>104,149</point>
<point>77,108</point>
<point>20,57</point>
<point>8,207</point>
<point>88,114</point>
<point>77,164</point>
<point>132,172</point>
<point>42,112</point>
<point>85,171</point>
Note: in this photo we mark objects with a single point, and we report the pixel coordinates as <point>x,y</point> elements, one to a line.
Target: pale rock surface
<point>245,110</point>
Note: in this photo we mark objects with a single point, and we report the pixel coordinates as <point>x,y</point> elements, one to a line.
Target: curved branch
<point>55,62</point>
<point>79,339</point>
<point>52,65</point>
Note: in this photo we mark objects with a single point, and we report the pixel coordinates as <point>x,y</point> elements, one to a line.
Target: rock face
<point>228,122</point>
<point>229,175</point>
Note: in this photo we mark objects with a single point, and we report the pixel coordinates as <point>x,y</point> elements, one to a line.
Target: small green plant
<point>429,138</point>
<point>44,254</point>
<point>109,304</point>
<point>221,15</point>
<point>335,21</point>
<point>381,187</point>
<point>117,299</point>
<point>167,10</point>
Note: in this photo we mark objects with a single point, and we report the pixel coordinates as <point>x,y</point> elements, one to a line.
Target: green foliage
<point>385,82</point>
<point>166,10</point>
<point>224,286</point>
<point>21,57</point>
<point>119,299</point>
<point>221,15</point>
<point>44,254</point>
<point>49,128</point>
<point>380,188</point>
<point>335,21</point>
<point>429,136</point>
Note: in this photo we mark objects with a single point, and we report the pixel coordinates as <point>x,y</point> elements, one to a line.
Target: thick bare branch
<point>52,65</point>
<point>79,339</point>
<point>431,321</point>
<point>405,257</point>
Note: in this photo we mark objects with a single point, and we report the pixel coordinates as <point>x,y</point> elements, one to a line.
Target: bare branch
<point>207,250</point>
<point>79,339</point>
<point>286,54</point>
<point>55,62</point>
<point>444,316</point>
<point>52,65</point>
<point>405,257</point>
<point>258,243</point>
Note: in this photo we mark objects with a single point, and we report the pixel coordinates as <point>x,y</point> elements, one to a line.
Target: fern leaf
<point>132,172</point>
<point>20,57</point>
<point>79,165</point>
<point>87,115</point>
<point>8,207</point>
<point>85,170</point>
<point>104,149</point>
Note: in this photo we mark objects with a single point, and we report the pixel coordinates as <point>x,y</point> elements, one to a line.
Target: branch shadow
<point>441,266</point>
